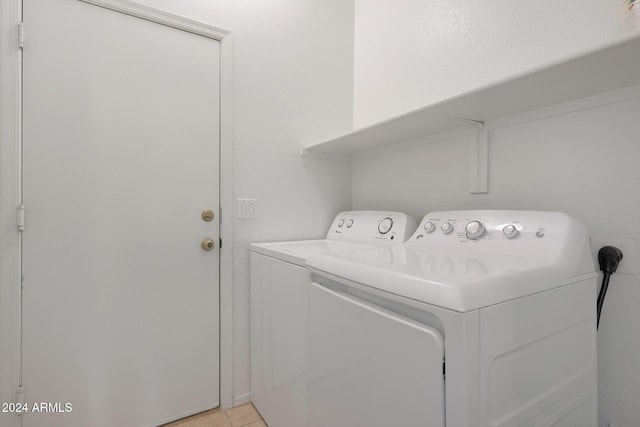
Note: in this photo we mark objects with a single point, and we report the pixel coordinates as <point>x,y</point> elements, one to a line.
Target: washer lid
<point>450,279</point>
<point>297,252</point>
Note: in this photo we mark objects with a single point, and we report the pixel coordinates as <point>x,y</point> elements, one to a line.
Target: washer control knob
<point>446,227</point>
<point>341,223</point>
<point>349,223</point>
<point>475,230</point>
<point>385,225</point>
<point>429,227</point>
<point>510,231</point>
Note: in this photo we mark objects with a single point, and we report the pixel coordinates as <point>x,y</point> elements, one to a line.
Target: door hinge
<point>220,245</point>
<point>20,217</point>
<point>20,395</point>
<point>21,35</point>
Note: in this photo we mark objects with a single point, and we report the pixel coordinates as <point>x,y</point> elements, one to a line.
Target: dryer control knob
<point>475,230</point>
<point>385,225</point>
<point>429,227</point>
<point>510,231</point>
<point>446,227</point>
<point>341,223</point>
<point>349,223</point>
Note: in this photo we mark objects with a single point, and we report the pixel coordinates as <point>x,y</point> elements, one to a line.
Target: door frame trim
<point>10,198</point>
<point>11,187</point>
<point>161,17</point>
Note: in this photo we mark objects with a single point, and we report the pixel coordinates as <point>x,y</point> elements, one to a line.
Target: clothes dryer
<point>278,307</point>
<point>482,318</point>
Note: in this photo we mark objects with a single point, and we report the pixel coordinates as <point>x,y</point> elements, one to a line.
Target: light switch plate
<point>247,208</point>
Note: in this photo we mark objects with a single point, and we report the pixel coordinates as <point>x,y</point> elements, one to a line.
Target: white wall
<point>409,53</point>
<point>293,68</point>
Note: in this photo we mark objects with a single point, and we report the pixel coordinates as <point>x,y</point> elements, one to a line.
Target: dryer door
<point>369,366</point>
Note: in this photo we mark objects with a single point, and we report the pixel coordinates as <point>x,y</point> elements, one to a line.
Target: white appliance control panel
<point>546,238</point>
<point>375,227</point>
<point>483,227</point>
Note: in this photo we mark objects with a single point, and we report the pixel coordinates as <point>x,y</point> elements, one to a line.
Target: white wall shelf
<point>608,67</point>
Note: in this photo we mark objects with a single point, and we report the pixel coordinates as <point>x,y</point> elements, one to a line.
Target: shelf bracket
<point>479,160</point>
<point>478,156</point>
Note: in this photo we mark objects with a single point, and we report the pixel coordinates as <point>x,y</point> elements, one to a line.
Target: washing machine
<point>482,318</point>
<point>278,307</point>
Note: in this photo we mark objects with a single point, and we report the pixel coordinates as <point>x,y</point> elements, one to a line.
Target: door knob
<point>207,215</point>
<point>207,244</point>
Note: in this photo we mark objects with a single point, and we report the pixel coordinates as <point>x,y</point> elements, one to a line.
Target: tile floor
<point>240,416</point>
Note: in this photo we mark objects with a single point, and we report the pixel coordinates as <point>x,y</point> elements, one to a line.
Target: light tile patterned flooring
<point>240,416</point>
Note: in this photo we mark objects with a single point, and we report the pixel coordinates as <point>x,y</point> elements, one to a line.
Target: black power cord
<point>608,257</point>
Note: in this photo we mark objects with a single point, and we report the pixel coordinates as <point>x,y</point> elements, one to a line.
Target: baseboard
<point>241,399</point>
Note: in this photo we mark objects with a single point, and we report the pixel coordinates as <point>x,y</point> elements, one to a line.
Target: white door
<point>121,156</point>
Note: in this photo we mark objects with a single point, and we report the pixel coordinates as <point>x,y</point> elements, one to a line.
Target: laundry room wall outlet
<point>629,248</point>
<point>247,208</point>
